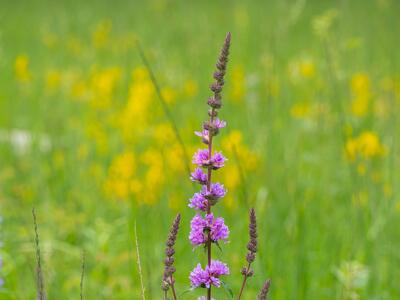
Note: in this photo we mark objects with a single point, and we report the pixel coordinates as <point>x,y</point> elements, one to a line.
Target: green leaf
<point>219,247</point>
<point>186,291</point>
<point>227,289</point>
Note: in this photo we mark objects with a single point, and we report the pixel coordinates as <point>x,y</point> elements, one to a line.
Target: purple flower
<point>201,200</point>
<point>218,160</point>
<point>204,298</point>
<point>209,276</point>
<point>199,176</point>
<point>217,191</point>
<point>219,231</point>
<point>202,159</point>
<point>205,136</point>
<point>219,123</point>
<point>201,226</point>
<point>198,201</point>
<point>198,277</point>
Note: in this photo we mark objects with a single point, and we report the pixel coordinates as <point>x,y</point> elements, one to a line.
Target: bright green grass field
<point>312,100</point>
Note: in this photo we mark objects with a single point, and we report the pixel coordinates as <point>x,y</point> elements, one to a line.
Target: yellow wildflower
<point>138,110</point>
<point>21,68</point>
<point>322,24</point>
<point>238,84</point>
<point>360,199</point>
<point>190,88</point>
<point>307,69</point>
<point>361,169</point>
<point>100,36</point>
<point>169,95</point>
<point>103,84</point>
<point>273,86</point>
<point>74,45</point>
<point>120,173</point>
<point>301,110</point>
<point>365,146</point>
<point>79,89</point>
<point>53,79</point>
<point>361,91</point>
<point>154,177</point>
<point>163,133</point>
<point>174,158</point>
<point>387,190</point>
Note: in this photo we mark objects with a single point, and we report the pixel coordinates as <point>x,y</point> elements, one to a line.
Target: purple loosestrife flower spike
<point>168,280</point>
<point>264,291</point>
<point>252,249</point>
<point>207,230</point>
<point>216,87</point>
<point>252,245</point>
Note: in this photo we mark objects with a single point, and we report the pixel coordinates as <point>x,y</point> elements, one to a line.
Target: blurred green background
<point>312,99</point>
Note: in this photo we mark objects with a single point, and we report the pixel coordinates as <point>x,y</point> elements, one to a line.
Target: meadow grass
<point>312,98</point>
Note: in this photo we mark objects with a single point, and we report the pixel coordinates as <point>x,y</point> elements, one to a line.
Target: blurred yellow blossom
<point>323,23</point>
<point>59,159</point>
<point>102,85</point>
<point>387,190</point>
<point>95,130</point>
<point>175,158</point>
<point>361,169</point>
<point>360,199</point>
<point>366,146</point>
<point>301,110</point>
<point>164,134</point>
<point>21,68</point>
<point>273,87</point>
<point>154,176</point>
<point>238,84</point>
<point>138,111</point>
<point>361,91</point>
<point>120,174</point>
<point>82,152</point>
<point>79,89</point>
<point>169,95</point>
<point>307,69</point>
<point>190,88</point>
<point>176,200</point>
<point>232,183</point>
<point>53,80</point>
<point>74,45</point>
<point>100,36</point>
<point>303,68</point>
<point>242,159</point>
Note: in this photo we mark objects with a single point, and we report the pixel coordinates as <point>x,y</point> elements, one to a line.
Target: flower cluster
<point>210,275</point>
<point>200,227</point>
<point>202,158</point>
<point>207,196</point>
